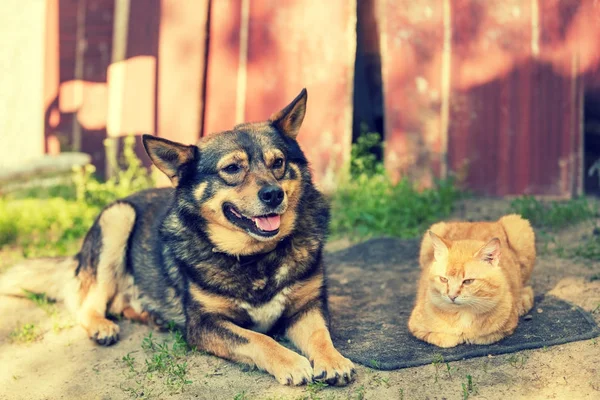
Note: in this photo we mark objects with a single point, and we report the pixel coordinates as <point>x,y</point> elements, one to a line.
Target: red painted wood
<point>515,93</point>
<point>411,55</point>
<point>182,49</point>
<point>291,45</point>
<point>222,66</point>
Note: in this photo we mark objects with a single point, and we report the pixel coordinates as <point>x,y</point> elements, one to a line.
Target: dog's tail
<point>55,277</point>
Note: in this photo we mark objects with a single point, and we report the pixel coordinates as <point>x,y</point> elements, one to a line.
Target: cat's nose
<point>452,297</point>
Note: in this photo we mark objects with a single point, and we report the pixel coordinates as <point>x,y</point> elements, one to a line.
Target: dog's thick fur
<point>190,254</point>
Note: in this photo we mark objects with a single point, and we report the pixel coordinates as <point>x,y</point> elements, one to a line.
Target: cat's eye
<point>278,163</point>
<point>468,281</point>
<point>232,169</point>
<point>444,280</point>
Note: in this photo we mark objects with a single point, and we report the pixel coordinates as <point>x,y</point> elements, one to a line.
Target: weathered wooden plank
<point>262,53</point>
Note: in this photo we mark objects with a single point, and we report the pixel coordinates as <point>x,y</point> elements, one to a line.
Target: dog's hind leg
<point>102,272</point>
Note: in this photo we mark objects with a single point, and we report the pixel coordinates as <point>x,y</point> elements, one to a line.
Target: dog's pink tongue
<point>268,224</point>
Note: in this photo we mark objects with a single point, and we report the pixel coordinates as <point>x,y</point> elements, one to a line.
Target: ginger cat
<point>473,281</point>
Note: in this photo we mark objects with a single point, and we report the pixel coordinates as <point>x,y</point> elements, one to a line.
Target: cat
<point>473,284</point>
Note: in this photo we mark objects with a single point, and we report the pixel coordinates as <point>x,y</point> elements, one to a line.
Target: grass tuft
<point>51,221</point>
<point>26,333</point>
<point>164,362</point>
<point>369,204</point>
<point>554,214</point>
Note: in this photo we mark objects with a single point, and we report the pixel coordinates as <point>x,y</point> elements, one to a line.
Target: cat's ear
<point>440,246</point>
<point>490,252</point>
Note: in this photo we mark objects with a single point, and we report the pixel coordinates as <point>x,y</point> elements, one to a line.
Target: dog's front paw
<point>292,369</point>
<point>103,331</point>
<point>333,368</point>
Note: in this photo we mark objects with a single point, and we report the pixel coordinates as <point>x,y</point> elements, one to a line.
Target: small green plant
<point>25,333</point>
<point>517,360</point>
<point>468,388</point>
<point>359,393</point>
<point>375,364</point>
<point>313,388</point>
<point>129,361</point>
<point>440,364</point>
<point>590,249</point>
<point>165,362</point>
<point>52,221</point>
<point>595,277</point>
<point>42,301</point>
<point>378,380</point>
<point>555,214</point>
<point>401,393</point>
<point>240,396</point>
<point>368,203</point>
<point>363,156</point>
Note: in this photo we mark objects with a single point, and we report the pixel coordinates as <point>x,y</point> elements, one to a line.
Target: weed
<point>374,205</point>
<point>439,363</point>
<point>164,363</point>
<point>26,333</point>
<point>240,396</point>
<point>552,215</point>
<point>595,277</point>
<point>316,386</point>
<point>517,360</point>
<point>468,388</point>
<point>378,380</point>
<point>367,202</point>
<point>590,249</point>
<point>401,393</point>
<point>42,301</point>
<point>375,364</point>
<point>129,361</point>
<point>51,222</point>
<point>595,341</point>
<point>597,309</point>
<point>359,393</point>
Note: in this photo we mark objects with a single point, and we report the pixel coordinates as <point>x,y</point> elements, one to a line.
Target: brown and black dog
<point>231,254</point>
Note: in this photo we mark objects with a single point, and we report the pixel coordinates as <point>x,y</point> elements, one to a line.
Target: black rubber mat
<point>372,288</point>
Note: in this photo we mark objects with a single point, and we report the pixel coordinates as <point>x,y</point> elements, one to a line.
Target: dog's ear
<point>289,120</point>
<point>169,156</point>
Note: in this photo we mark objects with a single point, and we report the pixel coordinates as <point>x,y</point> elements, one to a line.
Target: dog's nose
<point>271,195</point>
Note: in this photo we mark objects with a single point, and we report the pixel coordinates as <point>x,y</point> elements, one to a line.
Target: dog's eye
<point>444,280</point>
<point>468,281</point>
<point>278,163</point>
<point>232,169</point>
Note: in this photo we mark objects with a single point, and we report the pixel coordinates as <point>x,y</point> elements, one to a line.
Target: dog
<point>232,254</point>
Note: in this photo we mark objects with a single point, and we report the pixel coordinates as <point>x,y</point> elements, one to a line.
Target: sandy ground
<point>63,364</point>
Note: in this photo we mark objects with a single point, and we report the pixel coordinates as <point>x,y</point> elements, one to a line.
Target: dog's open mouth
<point>262,225</point>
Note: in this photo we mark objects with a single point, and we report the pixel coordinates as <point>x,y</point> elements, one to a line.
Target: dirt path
<point>63,364</point>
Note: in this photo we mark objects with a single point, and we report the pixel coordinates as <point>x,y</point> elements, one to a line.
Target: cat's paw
<point>488,339</point>
<point>443,339</point>
<point>526,300</point>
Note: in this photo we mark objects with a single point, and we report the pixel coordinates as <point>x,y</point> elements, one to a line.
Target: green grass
<point>517,360</point>
<point>468,388</point>
<point>25,333</point>
<point>590,249</point>
<point>368,203</point>
<point>164,363</point>
<point>51,221</point>
<point>441,365</point>
<point>554,214</point>
<point>42,301</point>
